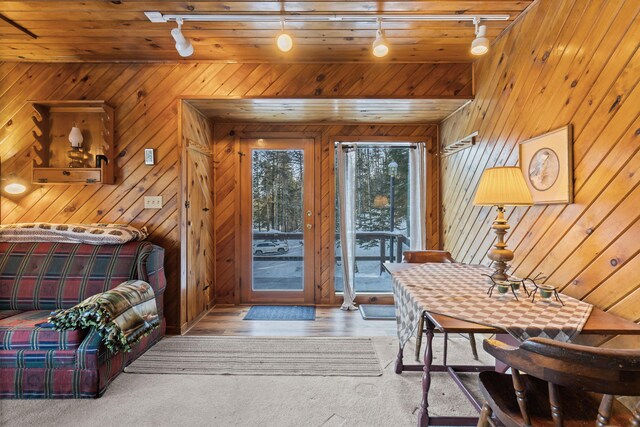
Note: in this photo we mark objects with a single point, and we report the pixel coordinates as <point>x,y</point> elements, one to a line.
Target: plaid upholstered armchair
<point>36,278</point>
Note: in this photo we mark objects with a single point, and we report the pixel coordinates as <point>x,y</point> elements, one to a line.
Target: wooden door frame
<point>182,224</point>
<point>247,142</point>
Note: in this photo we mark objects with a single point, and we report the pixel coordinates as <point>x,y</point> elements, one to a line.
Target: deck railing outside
<point>370,274</point>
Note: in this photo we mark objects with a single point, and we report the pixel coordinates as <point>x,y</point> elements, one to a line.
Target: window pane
<point>378,197</point>
<point>277,183</point>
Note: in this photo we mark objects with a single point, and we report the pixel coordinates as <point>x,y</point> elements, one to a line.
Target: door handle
<point>308,213</point>
<point>309,226</point>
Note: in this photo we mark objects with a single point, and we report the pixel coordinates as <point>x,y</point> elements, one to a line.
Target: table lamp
<point>502,186</point>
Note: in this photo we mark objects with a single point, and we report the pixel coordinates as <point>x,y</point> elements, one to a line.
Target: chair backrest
<point>427,256</point>
<point>592,369</point>
<point>48,276</point>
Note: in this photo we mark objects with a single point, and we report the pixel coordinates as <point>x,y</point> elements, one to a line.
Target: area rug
<point>262,401</point>
<point>281,312</point>
<point>193,355</point>
<point>377,312</point>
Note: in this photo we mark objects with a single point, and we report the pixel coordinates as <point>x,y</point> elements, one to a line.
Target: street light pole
<point>393,171</point>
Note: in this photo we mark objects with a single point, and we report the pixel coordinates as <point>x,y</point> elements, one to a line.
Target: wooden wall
<point>145,100</point>
<point>565,62</point>
<point>226,197</point>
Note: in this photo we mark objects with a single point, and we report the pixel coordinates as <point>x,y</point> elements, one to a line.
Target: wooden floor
<point>330,322</point>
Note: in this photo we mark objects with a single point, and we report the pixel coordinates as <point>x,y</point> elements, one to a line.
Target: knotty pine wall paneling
<point>564,62</point>
<point>144,97</point>
<point>226,197</point>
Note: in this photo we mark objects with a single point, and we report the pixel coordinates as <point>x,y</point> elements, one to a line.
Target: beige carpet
<point>389,400</point>
<point>353,357</point>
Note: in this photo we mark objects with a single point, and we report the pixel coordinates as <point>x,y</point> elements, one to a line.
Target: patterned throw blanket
<point>92,234</point>
<point>122,315</point>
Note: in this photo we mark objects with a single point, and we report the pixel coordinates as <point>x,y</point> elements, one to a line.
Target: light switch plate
<point>153,202</point>
<point>149,157</point>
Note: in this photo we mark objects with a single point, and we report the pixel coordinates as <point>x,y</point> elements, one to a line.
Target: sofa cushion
<point>48,276</point>
<point>20,332</point>
<point>8,313</point>
<point>27,359</point>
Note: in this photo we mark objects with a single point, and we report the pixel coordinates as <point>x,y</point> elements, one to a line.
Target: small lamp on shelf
<point>76,154</point>
<point>500,187</point>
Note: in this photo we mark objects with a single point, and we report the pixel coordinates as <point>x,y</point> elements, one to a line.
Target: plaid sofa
<point>36,278</point>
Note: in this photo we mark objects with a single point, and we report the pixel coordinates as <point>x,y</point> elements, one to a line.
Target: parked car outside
<point>270,248</point>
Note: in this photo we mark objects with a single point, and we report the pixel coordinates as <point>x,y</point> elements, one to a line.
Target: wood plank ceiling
<point>70,31</point>
<point>328,110</point>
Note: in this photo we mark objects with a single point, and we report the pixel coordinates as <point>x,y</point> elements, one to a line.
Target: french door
<point>277,221</point>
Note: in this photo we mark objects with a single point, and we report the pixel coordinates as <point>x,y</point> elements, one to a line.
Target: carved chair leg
<point>556,405</point>
<point>474,350</point>
<point>635,420</point>
<point>419,337</point>
<point>485,414</point>
<point>521,396</point>
<point>604,411</point>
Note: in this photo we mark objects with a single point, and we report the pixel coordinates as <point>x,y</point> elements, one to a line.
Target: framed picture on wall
<point>547,165</point>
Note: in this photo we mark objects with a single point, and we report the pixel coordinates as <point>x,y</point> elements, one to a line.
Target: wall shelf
<point>53,121</point>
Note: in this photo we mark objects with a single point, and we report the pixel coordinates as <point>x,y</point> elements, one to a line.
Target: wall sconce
<point>13,185</point>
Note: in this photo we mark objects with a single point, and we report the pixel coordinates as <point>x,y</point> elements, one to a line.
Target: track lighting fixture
<point>480,45</point>
<point>380,44</point>
<point>284,40</point>
<point>183,45</point>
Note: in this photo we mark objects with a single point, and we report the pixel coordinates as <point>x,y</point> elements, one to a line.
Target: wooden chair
<point>432,256</point>
<point>559,385</point>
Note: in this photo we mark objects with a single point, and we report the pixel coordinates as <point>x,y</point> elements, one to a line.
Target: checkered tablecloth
<point>460,291</point>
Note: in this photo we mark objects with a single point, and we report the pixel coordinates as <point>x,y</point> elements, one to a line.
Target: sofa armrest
<point>151,268</point>
<point>88,354</point>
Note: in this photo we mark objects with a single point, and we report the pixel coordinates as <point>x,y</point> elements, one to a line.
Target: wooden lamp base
<point>499,254</point>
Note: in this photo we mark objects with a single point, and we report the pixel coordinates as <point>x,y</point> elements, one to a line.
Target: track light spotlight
<point>480,45</point>
<point>380,44</point>
<point>284,40</point>
<point>183,45</point>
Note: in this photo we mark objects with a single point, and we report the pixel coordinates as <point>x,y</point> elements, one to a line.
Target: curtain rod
<point>410,145</point>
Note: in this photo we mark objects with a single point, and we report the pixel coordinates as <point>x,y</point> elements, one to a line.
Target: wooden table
<point>599,323</point>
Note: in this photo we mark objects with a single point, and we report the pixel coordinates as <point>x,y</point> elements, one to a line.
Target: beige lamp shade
<point>503,186</point>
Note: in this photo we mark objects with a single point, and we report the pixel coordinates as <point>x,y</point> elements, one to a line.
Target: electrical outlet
<point>153,202</point>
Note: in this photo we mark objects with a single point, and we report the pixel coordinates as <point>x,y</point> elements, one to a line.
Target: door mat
<point>377,312</point>
<point>281,312</point>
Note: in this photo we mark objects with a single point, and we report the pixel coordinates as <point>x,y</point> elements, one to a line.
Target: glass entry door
<point>277,221</point>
